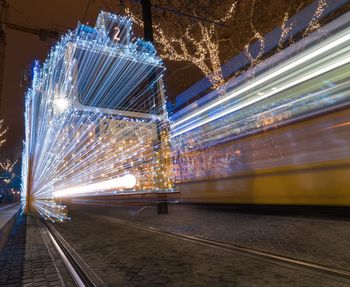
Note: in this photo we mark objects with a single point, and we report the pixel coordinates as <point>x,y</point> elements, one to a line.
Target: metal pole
<point>162,206</point>
<point>147,20</point>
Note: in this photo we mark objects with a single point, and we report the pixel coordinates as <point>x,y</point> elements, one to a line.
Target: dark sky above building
<point>23,48</point>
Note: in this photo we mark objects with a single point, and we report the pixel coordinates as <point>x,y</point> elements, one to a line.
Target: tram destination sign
<point>116,130</point>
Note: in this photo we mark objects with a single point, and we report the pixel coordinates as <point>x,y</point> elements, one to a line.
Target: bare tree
<point>191,41</point>
<point>3,131</point>
<point>7,171</point>
<point>198,31</point>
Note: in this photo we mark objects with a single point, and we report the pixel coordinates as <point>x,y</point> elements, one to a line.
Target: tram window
<point>127,88</point>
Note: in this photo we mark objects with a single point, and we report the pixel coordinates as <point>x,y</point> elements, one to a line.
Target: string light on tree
<point>201,49</point>
<point>200,45</point>
<point>314,24</point>
<point>3,132</point>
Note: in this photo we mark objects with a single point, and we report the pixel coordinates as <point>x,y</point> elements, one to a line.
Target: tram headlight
<point>129,180</point>
<point>61,104</point>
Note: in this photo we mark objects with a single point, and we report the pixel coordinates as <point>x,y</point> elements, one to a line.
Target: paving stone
<point>320,239</point>
<point>141,258</point>
<point>26,257</point>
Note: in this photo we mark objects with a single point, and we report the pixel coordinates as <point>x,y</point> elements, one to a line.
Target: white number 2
<point>116,34</point>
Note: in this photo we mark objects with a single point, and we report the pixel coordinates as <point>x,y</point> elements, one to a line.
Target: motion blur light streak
<point>96,118</point>
<point>305,57</point>
<point>263,96</point>
<point>126,181</point>
<point>339,125</point>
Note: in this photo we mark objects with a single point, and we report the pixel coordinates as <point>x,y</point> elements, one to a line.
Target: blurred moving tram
<point>96,119</point>
<point>280,137</point>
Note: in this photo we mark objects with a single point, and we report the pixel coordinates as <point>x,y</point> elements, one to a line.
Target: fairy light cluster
<point>96,121</point>
<point>8,167</point>
<point>286,28</point>
<point>258,58</point>
<point>254,59</point>
<point>199,45</point>
<point>201,49</point>
<point>314,22</point>
<point>3,132</point>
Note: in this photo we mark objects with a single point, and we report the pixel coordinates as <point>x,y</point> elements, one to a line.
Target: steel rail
<point>80,272</point>
<point>335,273</point>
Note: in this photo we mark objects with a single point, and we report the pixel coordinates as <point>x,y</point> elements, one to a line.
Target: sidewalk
<point>28,259</point>
<point>7,217</point>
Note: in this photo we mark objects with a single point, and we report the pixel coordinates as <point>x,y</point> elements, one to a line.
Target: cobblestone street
<point>276,233</point>
<point>124,255</point>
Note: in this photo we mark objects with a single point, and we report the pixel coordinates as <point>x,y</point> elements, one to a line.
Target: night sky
<point>23,48</point>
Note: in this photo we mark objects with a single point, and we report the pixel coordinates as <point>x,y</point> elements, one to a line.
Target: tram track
<point>80,272</point>
<point>286,261</point>
<point>82,275</point>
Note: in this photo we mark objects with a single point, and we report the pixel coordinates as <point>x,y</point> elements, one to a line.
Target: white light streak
<point>126,181</point>
<point>340,62</point>
<point>300,60</point>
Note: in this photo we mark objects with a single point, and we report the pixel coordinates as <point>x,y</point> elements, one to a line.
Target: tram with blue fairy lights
<point>96,120</point>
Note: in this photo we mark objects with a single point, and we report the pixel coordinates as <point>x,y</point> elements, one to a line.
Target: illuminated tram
<point>96,121</point>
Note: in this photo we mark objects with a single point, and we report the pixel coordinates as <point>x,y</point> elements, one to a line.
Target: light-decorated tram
<point>96,121</point>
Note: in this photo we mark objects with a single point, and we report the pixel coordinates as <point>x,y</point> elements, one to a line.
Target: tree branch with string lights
<point>208,33</point>
<point>3,131</point>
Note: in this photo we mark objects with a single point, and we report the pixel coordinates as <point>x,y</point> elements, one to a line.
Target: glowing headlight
<point>61,104</point>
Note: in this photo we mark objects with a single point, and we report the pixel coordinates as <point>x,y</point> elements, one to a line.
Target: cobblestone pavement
<point>8,215</point>
<point>27,260</point>
<point>12,256</point>
<point>125,256</point>
<point>322,240</point>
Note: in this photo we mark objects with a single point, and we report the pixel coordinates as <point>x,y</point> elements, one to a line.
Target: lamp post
<point>147,20</point>
<point>162,207</point>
